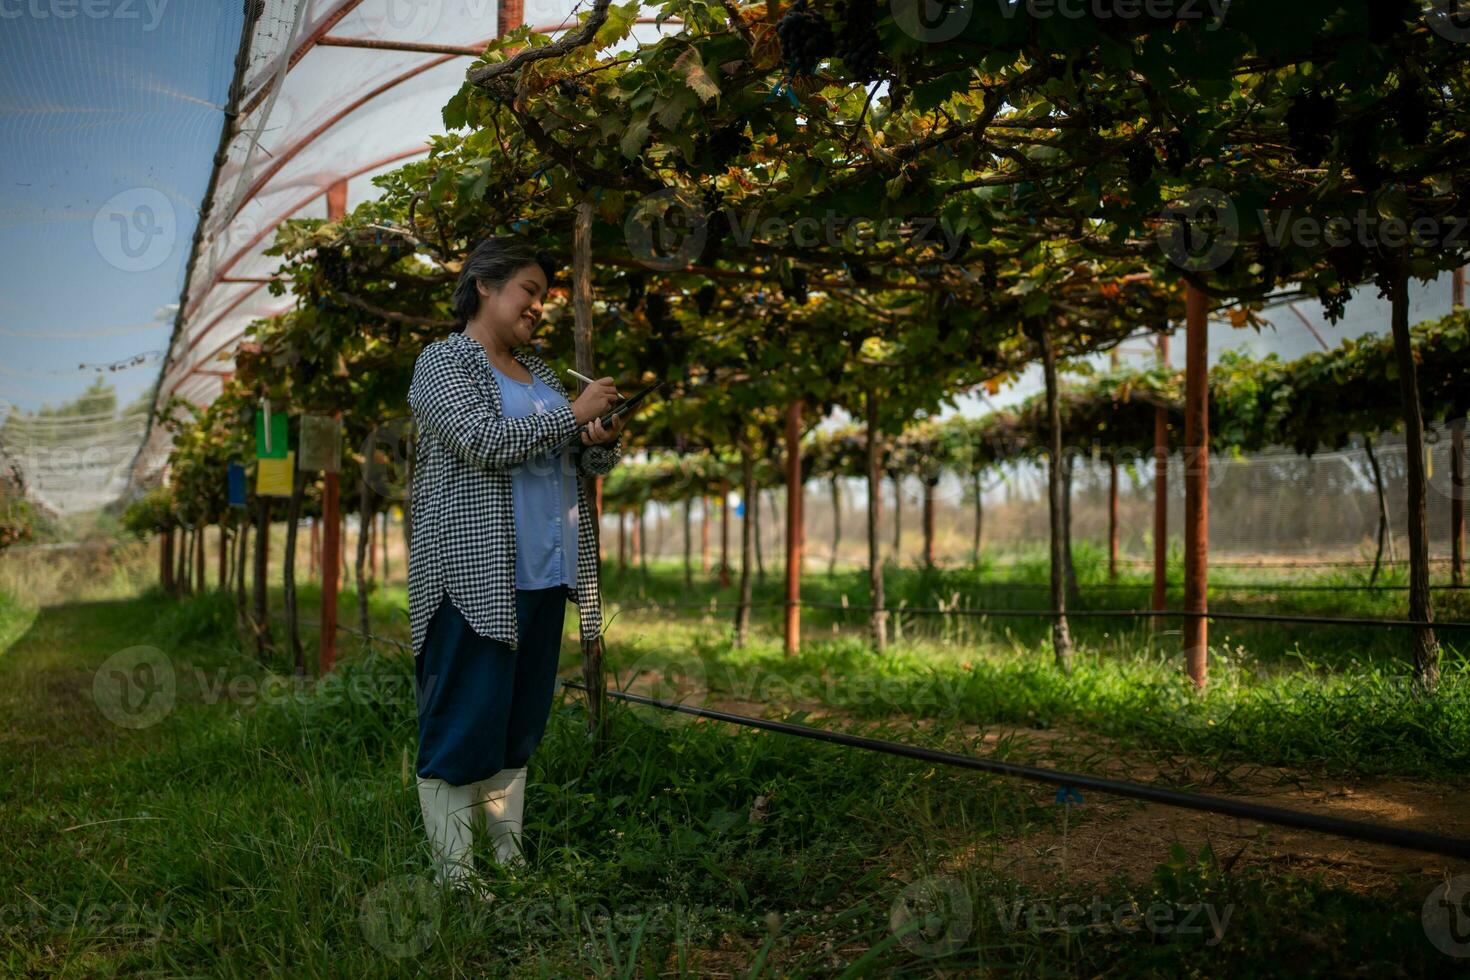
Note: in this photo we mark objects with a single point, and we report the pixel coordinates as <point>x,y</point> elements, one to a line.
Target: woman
<point>502,537</point>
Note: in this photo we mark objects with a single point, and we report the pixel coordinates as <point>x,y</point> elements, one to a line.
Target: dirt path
<point>1110,836</point>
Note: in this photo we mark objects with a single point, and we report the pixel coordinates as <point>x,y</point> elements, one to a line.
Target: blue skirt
<point>482,706</point>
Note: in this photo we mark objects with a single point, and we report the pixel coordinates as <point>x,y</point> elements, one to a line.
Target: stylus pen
<point>582,378</point>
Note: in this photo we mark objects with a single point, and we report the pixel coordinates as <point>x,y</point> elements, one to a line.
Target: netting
<point>1276,508</point>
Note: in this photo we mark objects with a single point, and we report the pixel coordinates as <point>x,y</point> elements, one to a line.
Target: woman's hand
<point>596,434</point>
<point>595,400</point>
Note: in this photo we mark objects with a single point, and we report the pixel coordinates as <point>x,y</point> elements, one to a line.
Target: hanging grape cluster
<point>1310,121</point>
<point>1140,160</point>
<point>797,290</point>
<point>571,89</point>
<point>714,150</point>
<point>1177,153</point>
<point>806,38</point>
<point>857,41</point>
<point>705,299</point>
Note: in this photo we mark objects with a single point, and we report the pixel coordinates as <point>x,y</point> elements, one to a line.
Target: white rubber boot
<point>448,813</point>
<point>500,802</point>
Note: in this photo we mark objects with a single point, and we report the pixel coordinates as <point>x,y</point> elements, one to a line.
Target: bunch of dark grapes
<point>1409,109</point>
<point>1140,159</point>
<point>1176,152</point>
<point>1389,17</point>
<point>797,291</point>
<point>1350,263</point>
<point>806,38</point>
<point>637,284</point>
<point>705,298</point>
<point>333,266</point>
<point>1310,120</point>
<point>715,150</point>
<point>857,41</point>
<point>860,273</point>
<point>656,308</point>
<point>1362,154</point>
<point>716,225</point>
<point>571,89</point>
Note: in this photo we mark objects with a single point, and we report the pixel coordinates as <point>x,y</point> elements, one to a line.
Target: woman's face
<point>513,311</point>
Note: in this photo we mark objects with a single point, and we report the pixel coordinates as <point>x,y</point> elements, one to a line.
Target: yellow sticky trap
<point>273,477</point>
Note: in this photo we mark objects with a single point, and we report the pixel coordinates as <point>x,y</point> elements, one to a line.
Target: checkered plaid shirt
<point>464,541</point>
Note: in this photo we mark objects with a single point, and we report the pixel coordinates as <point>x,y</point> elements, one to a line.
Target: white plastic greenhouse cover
<point>324,101</point>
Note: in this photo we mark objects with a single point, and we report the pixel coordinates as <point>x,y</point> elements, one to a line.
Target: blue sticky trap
<point>1067,794</point>
<point>235,485</point>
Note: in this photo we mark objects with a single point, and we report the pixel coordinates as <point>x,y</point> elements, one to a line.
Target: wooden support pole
<point>1426,649</point>
<point>1196,484</point>
<point>224,548</point>
<point>794,527</point>
<point>724,534</point>
<point>879,622</point>
<point>331,506</point>
<point>929,488</point>
<point>704,534</point>
<point>591,495</point>
<point>1160,599</point>
<point>166,561</point>
<point>1457,502</point>
<point>1457,467</point>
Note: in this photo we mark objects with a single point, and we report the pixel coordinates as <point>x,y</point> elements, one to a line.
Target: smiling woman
<point>503,537</point>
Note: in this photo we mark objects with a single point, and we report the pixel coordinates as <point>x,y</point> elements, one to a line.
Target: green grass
<point>277,832</point>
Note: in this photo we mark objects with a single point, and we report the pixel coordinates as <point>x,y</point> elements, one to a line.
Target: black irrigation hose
<point>1363,563</point>
<point>1145,614</point>
<point>1416,840</point>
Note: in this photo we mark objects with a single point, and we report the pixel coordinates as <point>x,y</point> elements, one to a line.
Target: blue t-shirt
<point>544,491</point>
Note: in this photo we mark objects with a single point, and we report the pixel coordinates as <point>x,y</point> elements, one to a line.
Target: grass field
<point>253,823</point>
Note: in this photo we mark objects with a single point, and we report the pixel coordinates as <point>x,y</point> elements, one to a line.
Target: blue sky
<point>109,119</point>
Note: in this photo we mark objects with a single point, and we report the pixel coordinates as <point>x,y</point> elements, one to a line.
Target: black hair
<point>493,261</point>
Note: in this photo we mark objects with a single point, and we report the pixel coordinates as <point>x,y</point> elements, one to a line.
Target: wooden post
<point>166,561</point>
<point>199,558</point>
<point>1196,485</point>
<point>1061,635</point>
<point>688,542</point>
<point>261,598</point>
<point>929,486</point>
<point>371,533</point>
<point>1425,645</point>
<point>879,620</point>
<point>724,534</point>
<point>1161,498</point>
<point>1112,518</point>
<point>592,674</point>
<point>622,540</point>
<point>331,506</point>
<point>1457,467</point>
<point>747,542</point>
<point>224,548</point>
<point>387,526</point>
<point>316,548</point>
<point>704,534</point>
<point>510,15</point>
<point>1457,502</point>
<point>794,527</point>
